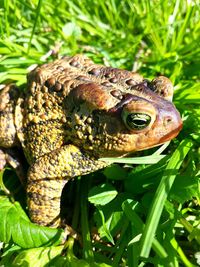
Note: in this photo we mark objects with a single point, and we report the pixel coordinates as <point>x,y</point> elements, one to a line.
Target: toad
<point>72,114</point>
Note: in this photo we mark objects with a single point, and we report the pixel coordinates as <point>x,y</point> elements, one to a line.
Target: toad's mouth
<point>171,135</point>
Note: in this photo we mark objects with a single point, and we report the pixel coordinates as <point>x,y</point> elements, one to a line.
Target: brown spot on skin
<point>45,96</point>
<point>50,82</point>
<point>60,68</point>
<point>107,75</point>
<point>113,80</point>
<point>83,78</point>
<point>43,117</point>
<point>130,82</point>
<point>116,93</point>
<point>94,71</point>
<point>140,86</point>
<point>57,86</point>
<point>107,84</point>
<point>74,63</point>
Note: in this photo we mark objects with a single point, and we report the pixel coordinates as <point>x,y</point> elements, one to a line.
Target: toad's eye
<point>136,121</point>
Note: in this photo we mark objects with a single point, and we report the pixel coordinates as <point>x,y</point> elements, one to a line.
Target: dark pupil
<point>138,120</point>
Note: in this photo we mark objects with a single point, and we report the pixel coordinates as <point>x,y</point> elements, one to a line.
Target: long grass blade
<point>161,195</point>
<point>35,23</point>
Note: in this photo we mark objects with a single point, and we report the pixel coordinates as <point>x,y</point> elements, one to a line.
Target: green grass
<point>137,215</point>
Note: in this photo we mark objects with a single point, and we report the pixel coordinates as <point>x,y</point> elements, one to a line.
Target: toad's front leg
<point>47,177</point>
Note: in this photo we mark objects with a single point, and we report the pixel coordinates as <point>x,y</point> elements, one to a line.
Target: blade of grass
<point>161,195</point>
<point>138,224</point>
<point>182,255</point>
<point>35,23</point>
<point>6,14</point>
<point>152,159</point>
<point>121,244</point>
<point>2,186</point>
<point>107,232</point>
<point>184,26</point>
<point>161,149</point>
<point>87,245</point>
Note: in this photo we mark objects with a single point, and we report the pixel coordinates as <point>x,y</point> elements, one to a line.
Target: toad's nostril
<point>167,120</point>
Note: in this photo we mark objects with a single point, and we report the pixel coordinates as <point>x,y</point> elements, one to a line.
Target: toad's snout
<point>171,123</point>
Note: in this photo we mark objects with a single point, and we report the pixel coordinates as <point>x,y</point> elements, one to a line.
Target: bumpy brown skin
<point>71,115</point>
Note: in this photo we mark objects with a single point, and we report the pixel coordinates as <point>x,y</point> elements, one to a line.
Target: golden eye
<point>136,121</point>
